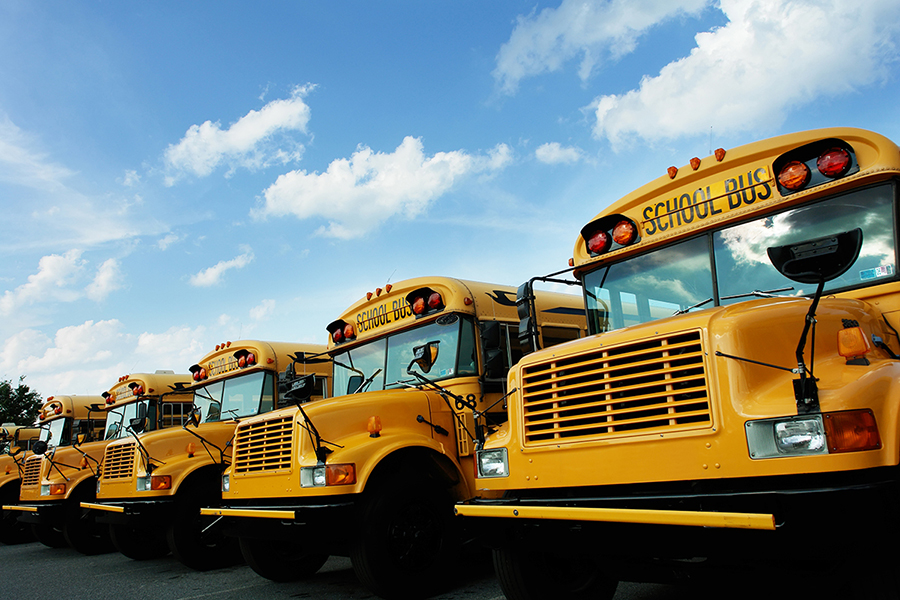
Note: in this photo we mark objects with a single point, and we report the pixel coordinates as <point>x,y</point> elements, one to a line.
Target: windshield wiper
<point>692,307</point>
<point>759,294</point>
<point>362,387</point>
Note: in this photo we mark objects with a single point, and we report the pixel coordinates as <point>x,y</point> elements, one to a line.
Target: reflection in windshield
<point>118,420</point>
<point>236,397</point>
<point>393,354</point>
<point>675,278</point>
<point>56,433</point>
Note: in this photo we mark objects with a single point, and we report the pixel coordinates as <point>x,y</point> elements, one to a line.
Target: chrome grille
<point>32,473</point>
<point>263,445</point>
<point>652,386</point>
<point>118,463</point>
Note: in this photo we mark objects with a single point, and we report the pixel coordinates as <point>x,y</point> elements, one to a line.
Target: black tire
<point>406,542</point>
<point>49,535</point>
<point>526,575</point>
<point>281,560</point>
<point>81,530</point>
<point>12,531</point>
<point>139,543</point>
<point>185,536</point>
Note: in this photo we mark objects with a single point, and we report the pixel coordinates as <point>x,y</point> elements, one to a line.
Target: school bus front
<point>62,472</point>
<point>155,481</point>
<point>740,390</point>
<point>15,447</point>
<point>412,362</point>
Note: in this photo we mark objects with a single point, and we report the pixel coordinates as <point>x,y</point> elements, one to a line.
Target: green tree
<point>18,404</point>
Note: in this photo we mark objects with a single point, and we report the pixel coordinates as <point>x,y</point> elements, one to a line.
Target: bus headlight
<point>154,483</point>
<point>789,436</point>
<point>322,475</point>
<point>493,463</point>
<point>226,483</point>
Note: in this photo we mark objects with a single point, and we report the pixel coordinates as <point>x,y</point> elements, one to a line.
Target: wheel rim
<point>415,537</point>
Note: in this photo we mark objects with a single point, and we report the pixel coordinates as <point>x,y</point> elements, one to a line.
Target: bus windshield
<point>117,420</point>
<point>56,433</point>
<point>236,397</point>
<point>677,278</point>
<point>382,364</point>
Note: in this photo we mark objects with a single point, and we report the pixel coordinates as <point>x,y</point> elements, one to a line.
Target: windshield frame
<point>263,381</point>
<point>712,284</point>
<point>392,353</point>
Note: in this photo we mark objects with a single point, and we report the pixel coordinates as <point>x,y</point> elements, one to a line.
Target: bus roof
<point>663,208</point>
<point>76,407</point>
<point>136,385</point>
<point>226,360</point>
<point>390,308</point>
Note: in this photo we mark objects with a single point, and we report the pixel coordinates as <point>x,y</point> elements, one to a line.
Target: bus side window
<point>174,414</point>
<point>550,336</point>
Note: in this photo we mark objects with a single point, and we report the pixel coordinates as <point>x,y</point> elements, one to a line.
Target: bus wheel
<point>49,535</point>
<point>526,575</point>
<point>80,527</point>
<point>281,560</point>
<point>138,543</point>
<point>406,543</point>
<point>185,536</point>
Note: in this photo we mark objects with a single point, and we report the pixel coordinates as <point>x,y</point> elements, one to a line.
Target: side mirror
<point>139,424</point>
<point>39,447</point>
<point>297,389</point>
<point>353,383</point>
<point>817,260</point>
<point>81,438</point>
<point>194,418</point>
<point>424,357</point>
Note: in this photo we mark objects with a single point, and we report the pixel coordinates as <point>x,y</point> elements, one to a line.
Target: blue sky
<point>177,174</point>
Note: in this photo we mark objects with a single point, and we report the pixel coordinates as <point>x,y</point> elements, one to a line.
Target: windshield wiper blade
<point>692,307</point>
<point>759,294</point>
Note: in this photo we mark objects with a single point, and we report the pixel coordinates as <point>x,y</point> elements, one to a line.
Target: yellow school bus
<point>61,471</point>
<point>373,471</point>
<point>153,485</point>
<point>15,447</point>
<point>738,398</point>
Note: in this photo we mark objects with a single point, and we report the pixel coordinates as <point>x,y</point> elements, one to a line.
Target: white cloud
<point>81,346</point>
<point>214,274</point>
<point>357,194</point>
<point>52,282</point>
<point>59,278</point>
<point>176,349</point>
<point>553,153</point>
<point>131,178</point>
<point>21,164</point>
<point>107,280</point>
<point>263,310</point>
<point>771,56</point>
<point>543,42</point>
<point>167,241</point>
<point>247,143</point>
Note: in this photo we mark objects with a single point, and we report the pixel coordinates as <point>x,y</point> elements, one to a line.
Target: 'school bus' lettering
<point>722,196</point>
<point>383,314</point>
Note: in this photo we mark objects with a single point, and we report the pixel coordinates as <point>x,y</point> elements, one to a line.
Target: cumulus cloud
<point>251,142</point>
<point>771,56</point>
<point>592,30</point>
<point>213,275</point>
<point>53,281</point>
<point>60,279</point>
<point>106,281</point>
<point>263,310</point>
<point>355,195</point>
<point>553,153</point>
